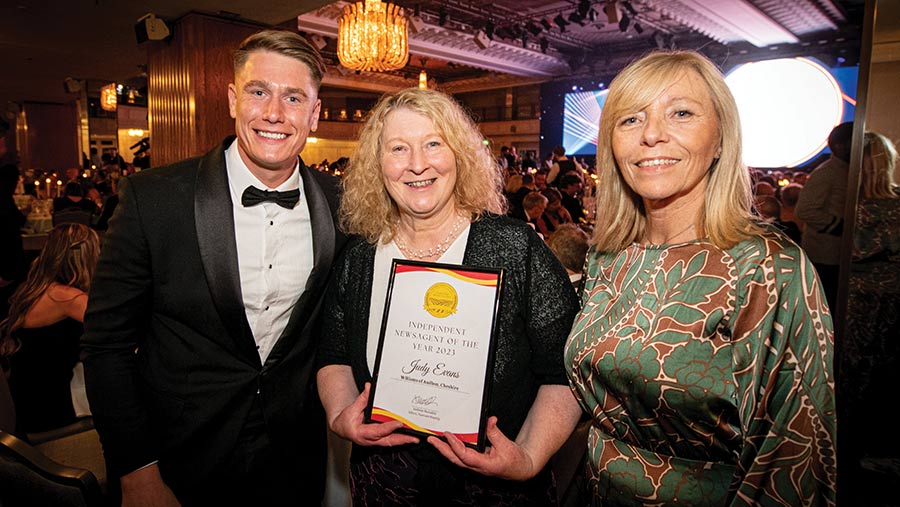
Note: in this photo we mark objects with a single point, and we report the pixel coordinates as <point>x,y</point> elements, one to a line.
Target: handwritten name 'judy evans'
<point>424,369</point>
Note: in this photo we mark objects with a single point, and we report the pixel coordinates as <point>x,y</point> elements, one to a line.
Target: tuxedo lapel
<point>218,248</point>
<point>322,228</point>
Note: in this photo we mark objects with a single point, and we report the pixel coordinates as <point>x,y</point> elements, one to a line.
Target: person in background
<point>74,198</point>
<point>111,157</point>
<point>570,245</point>
<point>533,206</point>
<point>561,165</point>
<point>95,160</point>
<point>106,212</point>
<point>529,162</point>
<point>540,180</point>
<point>877,236</point>
<point>39,338</point>
<point>515,201</point>
<point>571,186</point>
<point>198,346</point>
<point>870,358</point>
<point>821,207</point>
<point>554,213</point>
<point>12,253</point>
<point>422,186</point>
<point>511,189</point>
<point>704,347</point>
<point>768,208</point>
<point>792,225</point>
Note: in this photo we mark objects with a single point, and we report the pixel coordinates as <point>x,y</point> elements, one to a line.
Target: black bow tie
<point>253,196</point>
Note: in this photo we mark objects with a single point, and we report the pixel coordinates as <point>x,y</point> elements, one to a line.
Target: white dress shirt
<point>275,252</point>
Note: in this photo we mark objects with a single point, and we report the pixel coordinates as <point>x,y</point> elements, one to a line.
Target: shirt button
<point>270,266</point>
<point>271,222</point>
<point>267,308</point>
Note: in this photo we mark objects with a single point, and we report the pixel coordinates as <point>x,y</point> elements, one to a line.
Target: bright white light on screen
<point>788,107</point>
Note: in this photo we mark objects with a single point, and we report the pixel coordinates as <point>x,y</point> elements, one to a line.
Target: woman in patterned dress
<point>703,350</point>
<point>422,185</point>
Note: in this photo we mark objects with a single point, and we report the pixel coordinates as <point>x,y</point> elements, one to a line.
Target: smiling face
<point>664,151</point>
<point>418,166</point>
<point>274,102</point>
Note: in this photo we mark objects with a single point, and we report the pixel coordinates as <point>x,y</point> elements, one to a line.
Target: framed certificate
<point>436,349</point>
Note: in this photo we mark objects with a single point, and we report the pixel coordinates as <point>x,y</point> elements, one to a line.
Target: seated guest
<point>533,206</point>
<point>106,212</point>
<point>73,206</point>
<point>554,214</point>
<point>515,200</point>
<point>570,186</point>
<point>570,245</point>
<point>12,254</point>
<point>39,341</point>
<point>513,186</point>
<point>788,198</point>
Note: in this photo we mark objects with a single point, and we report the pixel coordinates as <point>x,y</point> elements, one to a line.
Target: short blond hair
<point>366,207</point>
<point>727,216</point>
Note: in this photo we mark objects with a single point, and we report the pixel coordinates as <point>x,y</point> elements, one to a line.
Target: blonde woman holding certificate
<point>422,186</point>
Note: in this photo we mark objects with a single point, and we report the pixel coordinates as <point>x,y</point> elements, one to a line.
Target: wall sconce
<point>108,97</point>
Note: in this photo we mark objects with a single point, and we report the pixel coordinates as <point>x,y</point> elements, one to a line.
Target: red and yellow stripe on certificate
<point>485,279</point>
<point>381,415</point>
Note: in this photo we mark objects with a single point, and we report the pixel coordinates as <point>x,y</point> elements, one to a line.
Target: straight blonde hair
<point>727,216</point>
<point>879,161</point>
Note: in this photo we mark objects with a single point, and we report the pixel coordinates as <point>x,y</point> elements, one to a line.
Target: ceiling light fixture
<point>624,23</point>
<point>560,22</point>
<point>373,36</point>
<point>742,18</point>
<point>584,6</point>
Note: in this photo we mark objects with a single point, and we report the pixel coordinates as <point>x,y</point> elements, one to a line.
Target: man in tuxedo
<point>198,345</point>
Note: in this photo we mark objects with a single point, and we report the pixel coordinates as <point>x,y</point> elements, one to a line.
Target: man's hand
<point>145,488</point>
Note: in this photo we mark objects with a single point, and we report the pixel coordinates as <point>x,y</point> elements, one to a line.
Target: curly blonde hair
<point>727,215</point>
<point>366,207</point>
<point>68,258</point>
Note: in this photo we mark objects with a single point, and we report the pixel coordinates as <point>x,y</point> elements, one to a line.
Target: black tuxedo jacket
<point>170,361</point>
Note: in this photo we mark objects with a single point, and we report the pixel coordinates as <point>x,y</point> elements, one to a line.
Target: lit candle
<point>58,188</point>
<point>47,181</point>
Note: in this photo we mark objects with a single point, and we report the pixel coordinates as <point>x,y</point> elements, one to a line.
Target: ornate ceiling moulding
<point>433,41</point>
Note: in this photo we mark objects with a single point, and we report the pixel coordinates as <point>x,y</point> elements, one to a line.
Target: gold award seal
<point>441,300</point>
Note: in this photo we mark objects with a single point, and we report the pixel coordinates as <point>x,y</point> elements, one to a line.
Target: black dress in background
<point>41,371</point>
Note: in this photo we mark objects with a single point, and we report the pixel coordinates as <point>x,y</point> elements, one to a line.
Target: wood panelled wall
<point>50,142</point>
<point>188,87</point>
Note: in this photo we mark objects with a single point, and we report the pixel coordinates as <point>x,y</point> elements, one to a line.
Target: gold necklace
<point>434,251</point>
<point>670,237</point>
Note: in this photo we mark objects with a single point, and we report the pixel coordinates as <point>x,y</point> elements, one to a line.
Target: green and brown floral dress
<point>708,374</point>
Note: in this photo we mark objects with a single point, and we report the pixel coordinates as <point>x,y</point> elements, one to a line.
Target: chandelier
<point>373,36</point>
